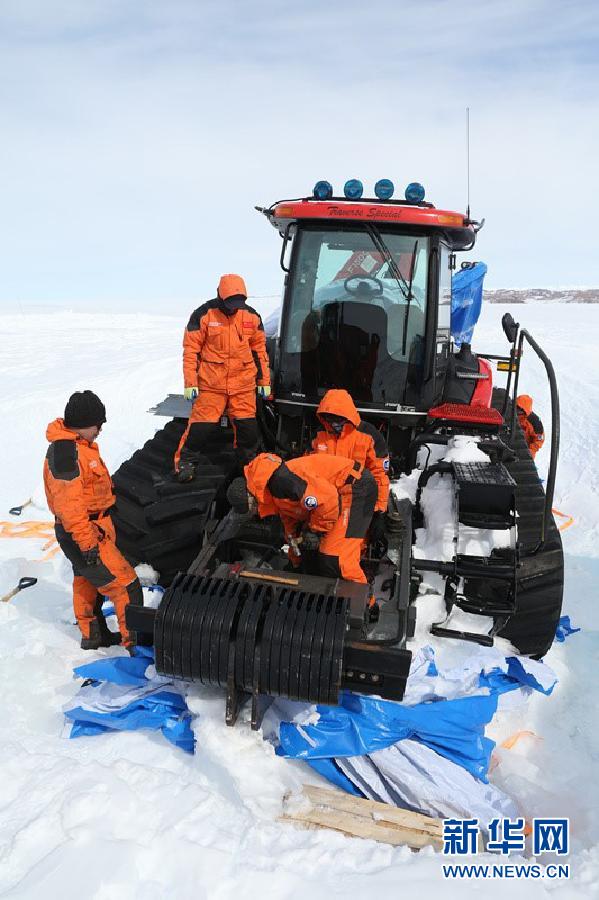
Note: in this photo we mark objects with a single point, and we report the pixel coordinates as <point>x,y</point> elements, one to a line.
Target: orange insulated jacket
<point>315,483</point>
<point>358,440</point>
<point>77,483</point>
<point>225,354</point>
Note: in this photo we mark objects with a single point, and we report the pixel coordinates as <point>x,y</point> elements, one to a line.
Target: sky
<point>138,135</point>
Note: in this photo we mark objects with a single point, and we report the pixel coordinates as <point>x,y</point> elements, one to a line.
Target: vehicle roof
<point>456,228</point>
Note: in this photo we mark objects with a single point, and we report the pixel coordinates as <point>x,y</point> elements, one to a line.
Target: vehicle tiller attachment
<point>265,640</point>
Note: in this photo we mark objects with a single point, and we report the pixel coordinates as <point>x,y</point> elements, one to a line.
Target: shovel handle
<point>17,510</point>
<point>25,582</point>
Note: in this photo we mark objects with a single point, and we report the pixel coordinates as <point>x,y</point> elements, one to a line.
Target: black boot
<point>108,638</point>
<point>94,641</point>
<point>188,463</point>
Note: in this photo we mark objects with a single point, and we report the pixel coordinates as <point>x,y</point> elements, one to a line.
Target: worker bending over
<point>345,434</point>
<point>224,364</point>
<point>79,494</point>
<point>325,504</point>
<point>530,424</point>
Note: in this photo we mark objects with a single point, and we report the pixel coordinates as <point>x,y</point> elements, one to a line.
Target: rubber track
<point>540,583</point>
<point>159,521</point>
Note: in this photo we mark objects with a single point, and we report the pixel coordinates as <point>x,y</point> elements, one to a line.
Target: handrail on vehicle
<point>518,335</point>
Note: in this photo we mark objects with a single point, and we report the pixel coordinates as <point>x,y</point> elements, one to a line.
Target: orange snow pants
<point>339,553</point>
<point>113,577</point>
<point>207,411</point>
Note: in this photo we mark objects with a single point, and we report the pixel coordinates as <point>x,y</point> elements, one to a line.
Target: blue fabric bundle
<point>362,725</point>
<point>117,695</point>
<point>466,301</point>
<point>453,728</point>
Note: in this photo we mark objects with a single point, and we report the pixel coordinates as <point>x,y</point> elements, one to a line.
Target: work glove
<point>91,557</point>
<point>263,390</point>
<point>310,541</point>
<point>190,393</point>
<point>377,527</point>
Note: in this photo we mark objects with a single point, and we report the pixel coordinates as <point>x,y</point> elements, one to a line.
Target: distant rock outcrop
<point>543,295</point>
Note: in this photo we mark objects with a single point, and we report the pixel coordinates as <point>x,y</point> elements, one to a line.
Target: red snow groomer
<point>367,307</point>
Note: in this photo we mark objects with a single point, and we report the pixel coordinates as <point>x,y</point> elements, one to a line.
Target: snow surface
<point>126,815</point>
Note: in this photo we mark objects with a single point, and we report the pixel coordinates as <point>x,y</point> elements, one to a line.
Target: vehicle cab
<point>367,299</point>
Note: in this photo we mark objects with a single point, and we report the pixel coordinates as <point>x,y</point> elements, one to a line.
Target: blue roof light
<point>414,192</point>
<point>323,190</point>
<point>384,189</point>
<point>353,189</point>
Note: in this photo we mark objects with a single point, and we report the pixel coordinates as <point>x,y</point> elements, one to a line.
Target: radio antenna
<point>468,161</point>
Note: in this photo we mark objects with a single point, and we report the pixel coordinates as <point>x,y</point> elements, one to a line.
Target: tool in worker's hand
<point>17,510</point>
<point>23,583</point>
<point>294,543</point>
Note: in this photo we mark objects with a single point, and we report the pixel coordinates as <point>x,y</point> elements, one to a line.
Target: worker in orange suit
<point>530,424</point>
<point>345,434</point>
<point>79,494</point>
<point>225,364</point>
<point>325,504</point>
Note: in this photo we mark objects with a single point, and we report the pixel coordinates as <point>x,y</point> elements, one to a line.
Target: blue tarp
<point>119,669</point>
<point>361,725</point>
<point>565,629</point>
<point>466,301</point>
<point>118,695</point>
<point>453,728</point>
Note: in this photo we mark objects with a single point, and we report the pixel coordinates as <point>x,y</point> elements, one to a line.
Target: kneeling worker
<point>345,434</point>
<point>79,493</point>
<point>225,364</point>
<point>531,425</point>
<point>325,504</point>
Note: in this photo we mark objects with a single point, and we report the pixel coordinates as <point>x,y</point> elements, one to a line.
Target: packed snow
<point>128,815</point>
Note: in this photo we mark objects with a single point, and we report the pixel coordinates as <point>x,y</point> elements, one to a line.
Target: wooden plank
<point>277,578</point>
<point>324,808</point>
<point>349,803</point>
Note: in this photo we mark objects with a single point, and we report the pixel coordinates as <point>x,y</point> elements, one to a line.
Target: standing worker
<point>225,364</point>
<point>325,504</point>
<point>531,425</point>
<point>79,493</point>
<point>345,434</point>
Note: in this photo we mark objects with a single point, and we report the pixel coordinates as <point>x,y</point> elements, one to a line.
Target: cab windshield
<point>356,311</point>
<point>370,270</point>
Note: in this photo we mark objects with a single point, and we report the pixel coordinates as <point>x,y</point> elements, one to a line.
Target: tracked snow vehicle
<point>366,307</point>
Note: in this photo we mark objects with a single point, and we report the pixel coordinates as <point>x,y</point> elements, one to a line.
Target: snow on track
<point>126,815</point>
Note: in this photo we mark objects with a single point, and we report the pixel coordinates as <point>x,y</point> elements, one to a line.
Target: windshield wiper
<point>404,286</point>
<point>383,249</point>
<point>409,300</point>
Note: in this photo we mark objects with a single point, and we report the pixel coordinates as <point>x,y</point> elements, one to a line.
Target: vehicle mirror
<point>510,328</point>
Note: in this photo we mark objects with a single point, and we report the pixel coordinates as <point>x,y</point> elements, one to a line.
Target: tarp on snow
<point>453,728</point>
<point>123,693</point>
<point>428,753</point>
<point>466,301</point>
<point>361,725</point>
<point>412,776</point>
<point>565,629</point>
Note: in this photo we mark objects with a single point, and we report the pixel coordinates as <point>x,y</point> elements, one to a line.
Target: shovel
<point>23,583</point>
<point>17,510</point>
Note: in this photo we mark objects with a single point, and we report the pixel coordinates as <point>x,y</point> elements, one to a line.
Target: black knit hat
<point>83,410</point>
